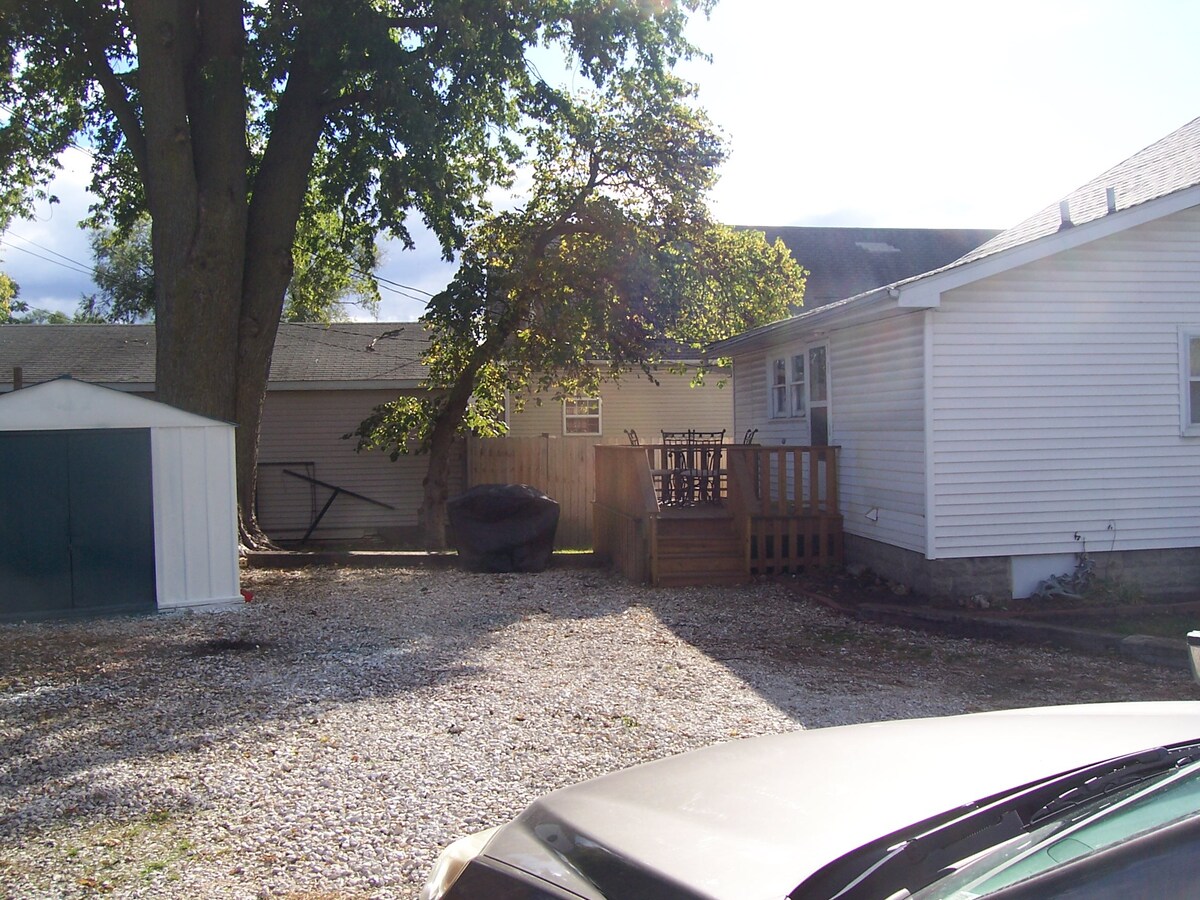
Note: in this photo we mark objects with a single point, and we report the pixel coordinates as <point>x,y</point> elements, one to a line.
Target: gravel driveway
<point>327,739</point>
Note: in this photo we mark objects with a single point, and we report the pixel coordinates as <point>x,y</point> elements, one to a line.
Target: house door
<point>76,523</point>
<point>818,395</point>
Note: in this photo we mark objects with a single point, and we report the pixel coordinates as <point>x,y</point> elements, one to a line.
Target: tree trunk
<point>275,209</point>
<point>432,514</point>
<point>222,252</point>
<point>194,172</point>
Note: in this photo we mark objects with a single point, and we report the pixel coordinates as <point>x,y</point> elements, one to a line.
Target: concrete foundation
<point>1159,575</point>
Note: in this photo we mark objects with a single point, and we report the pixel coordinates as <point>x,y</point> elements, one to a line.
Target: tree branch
<point>115,94</point>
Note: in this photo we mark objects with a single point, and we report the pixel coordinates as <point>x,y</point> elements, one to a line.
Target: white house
<point>1036,398</point>
<point>110,502</point>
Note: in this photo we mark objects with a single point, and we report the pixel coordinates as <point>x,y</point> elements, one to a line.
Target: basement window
<point>581,415</point>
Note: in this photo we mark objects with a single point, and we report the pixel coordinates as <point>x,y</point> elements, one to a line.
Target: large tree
<point>219,117</point>
<point>612,258</point>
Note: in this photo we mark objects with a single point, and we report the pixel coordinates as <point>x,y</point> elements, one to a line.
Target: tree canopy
<point>612,259</point>
<point>9,290</point>
<point>229,121</point>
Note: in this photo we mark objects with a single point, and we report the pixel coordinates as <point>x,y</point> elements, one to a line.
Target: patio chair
<point>707,453</point>
<point>678,486</point>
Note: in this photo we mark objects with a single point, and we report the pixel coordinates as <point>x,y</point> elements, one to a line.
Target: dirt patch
<point>849,589</point>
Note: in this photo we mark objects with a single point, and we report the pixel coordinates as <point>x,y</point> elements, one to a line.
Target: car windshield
<point>1077,832</point>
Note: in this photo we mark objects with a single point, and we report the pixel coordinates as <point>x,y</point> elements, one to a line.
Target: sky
<point>919,114</point>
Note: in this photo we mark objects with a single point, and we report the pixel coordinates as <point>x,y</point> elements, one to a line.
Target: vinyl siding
<point>876,377</point>
<point>637,403</point>
<point>302,431</point>
<point>1056,401</point>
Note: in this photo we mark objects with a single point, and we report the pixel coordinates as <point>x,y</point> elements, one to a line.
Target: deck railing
<point>785,505</point>
<point>783,501</point>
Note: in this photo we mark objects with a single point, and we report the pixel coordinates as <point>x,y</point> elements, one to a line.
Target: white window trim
<point>793,384</point>
<point>827,403</point>
<point>772,411</point>
<point>789,384</point>
<point>1187,428</point>
<point>598,416</point>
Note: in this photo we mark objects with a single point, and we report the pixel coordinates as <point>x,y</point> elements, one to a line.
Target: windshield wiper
<point>1115,777</point>
<point>918,855</point>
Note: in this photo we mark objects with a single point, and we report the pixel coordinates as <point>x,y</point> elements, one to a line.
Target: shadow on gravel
<point>80,695</point>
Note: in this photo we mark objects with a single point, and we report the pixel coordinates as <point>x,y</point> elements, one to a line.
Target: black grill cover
<point>503,527</point>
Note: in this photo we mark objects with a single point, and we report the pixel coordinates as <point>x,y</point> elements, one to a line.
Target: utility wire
<point>73,266</point>
<point>33,243</point>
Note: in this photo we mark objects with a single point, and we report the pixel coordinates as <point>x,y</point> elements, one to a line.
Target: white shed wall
<point>1056,401</point>
<point>876,378</point>
<point>195,516</point>
<point>877,381</point>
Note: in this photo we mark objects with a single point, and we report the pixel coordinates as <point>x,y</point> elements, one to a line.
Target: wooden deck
<point>763,511</point>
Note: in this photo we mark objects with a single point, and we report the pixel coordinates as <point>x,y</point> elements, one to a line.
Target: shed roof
<point>66,404</point>
<point>1166,166</point>
<point>356,354</point>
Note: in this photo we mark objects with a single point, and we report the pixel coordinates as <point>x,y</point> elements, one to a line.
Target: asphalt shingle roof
<point>843,262</point>
<point>1166,166</point>
<point>124,354</point>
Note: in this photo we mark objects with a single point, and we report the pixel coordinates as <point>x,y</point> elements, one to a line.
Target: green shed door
<point>76,523</point>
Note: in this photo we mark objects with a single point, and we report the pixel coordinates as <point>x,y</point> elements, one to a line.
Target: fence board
<point>563,468</point>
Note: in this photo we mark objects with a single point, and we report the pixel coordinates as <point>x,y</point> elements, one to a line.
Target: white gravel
<point>329,738</point>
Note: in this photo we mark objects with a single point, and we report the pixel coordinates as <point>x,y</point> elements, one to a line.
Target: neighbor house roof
<point>347,354</point>
<point>842,262</point>
<point>1158,180</point>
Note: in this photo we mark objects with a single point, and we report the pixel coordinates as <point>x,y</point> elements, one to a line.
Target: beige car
<point>1095,801</point>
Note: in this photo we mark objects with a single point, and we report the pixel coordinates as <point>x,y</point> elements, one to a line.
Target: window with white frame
<point>789,397</point>
<point>779,389</point>
<point>1190,368</point>
<point>581,415</point>
<point>796,385</point>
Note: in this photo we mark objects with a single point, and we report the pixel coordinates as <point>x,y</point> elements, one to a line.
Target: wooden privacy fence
<point>561,467</point>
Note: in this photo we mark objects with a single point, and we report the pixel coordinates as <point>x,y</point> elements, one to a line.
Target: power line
<point>73,266</point>
<point>49,250</point>
<point>395,287</point>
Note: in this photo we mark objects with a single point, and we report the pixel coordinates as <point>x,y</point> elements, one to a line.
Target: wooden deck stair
<point>770,510</point>
<point>698,551</point>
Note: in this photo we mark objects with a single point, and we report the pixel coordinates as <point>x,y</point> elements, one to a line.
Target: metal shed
<point>110,502</point>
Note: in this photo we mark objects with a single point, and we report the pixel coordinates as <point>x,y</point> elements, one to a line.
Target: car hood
<point>754,818</point>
